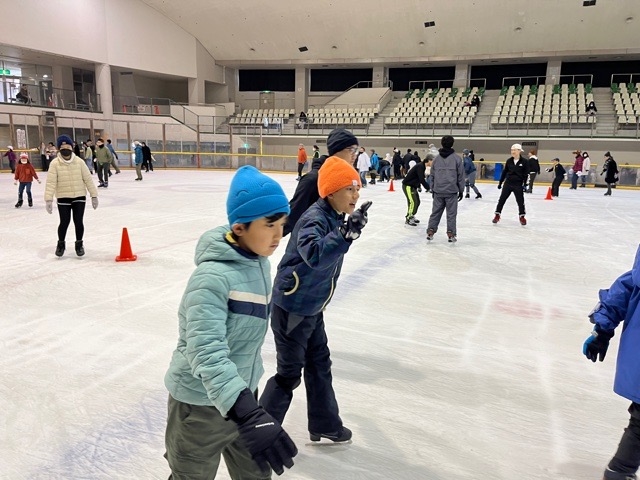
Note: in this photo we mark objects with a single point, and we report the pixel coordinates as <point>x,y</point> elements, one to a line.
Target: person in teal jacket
<point>137,149</point>
<point>619,305</point>
<point>215,369</point>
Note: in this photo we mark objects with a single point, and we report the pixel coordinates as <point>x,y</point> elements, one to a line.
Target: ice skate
<point>30,202</point>
<point>415,219</point>
<point>452,237</point>
<point>60,248</point>
<point>340,436</point>
<point>430,234</point>
<point>523,221</point>
<point>467,196</point>
<point>410,221</point>
<point>19,204</point>
<point>496,219</point>
<point>79,248</point>
<point>478,196</point>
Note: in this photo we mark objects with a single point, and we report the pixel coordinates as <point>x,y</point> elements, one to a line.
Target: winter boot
<point>79,248</point>
<point>30,200</point>
<point>452,237</point>
<point>430,234</point>
<point>19,204</point>
<point>496,219</point>
<point>611,475</point>
<point>478,196</point>
<point>60,248</point>
<point>342,435</point>
<point>410,221</point>
<point>523,221</point>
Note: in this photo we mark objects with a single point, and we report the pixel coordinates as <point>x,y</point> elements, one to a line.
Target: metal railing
<point>44,95</point>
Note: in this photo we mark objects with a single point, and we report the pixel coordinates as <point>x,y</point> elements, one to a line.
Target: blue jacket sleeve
<point>319,248</point>
<point>613,303</point>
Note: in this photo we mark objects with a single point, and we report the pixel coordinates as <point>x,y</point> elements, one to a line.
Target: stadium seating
<point>543,106</point>
<point>257,116</point>
<point>626,104</point>
<point>431,107</point>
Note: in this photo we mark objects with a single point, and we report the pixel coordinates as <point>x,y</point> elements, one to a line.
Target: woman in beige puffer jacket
<point>68,180</point>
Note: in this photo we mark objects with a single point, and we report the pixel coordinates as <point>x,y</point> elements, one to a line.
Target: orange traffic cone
<point>126,255</point>
<point>548,197</point>
<point>391,185</point>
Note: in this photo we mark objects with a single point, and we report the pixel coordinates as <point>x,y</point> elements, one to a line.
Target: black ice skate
<point>31,202</point>
<point>19,204</point>
<point>79,248</point>
<point>467,196</point>
<point>478,196</point>
<point>342,435</point>
<point>60,248</point>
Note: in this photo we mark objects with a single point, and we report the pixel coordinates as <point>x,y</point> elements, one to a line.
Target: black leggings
<point>67,206</point>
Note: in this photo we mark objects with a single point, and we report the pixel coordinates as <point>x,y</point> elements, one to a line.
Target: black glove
<point>269,445</point>
<point>597,344</point>
<point>499,186</point>
<point>459,196</point>
<point>352,228</point>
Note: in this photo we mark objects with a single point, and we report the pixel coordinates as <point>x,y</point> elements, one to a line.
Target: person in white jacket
<point>68,180</point>
<point>363,164</point>
<point>586,166</point>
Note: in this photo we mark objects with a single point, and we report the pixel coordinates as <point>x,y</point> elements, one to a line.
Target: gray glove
<point>49,206</point>
<point>94,202</point>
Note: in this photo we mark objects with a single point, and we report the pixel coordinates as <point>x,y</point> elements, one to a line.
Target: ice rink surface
<point>450,361</point>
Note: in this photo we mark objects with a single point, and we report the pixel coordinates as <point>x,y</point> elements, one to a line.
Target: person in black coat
<point>415,178</point>
<point>147,161</point>
<point>534,170</point>
<point>405,161</point>
<point>396,161</point>
<point>340,143</point>
<point>558,176</point>
<point>514,176</point>
<point>611,168</point>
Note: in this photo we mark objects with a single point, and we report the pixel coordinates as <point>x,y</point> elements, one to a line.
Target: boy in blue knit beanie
<point>214,372</point>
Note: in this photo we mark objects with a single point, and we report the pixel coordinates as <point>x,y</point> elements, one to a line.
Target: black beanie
<point>447,141</point>
<point>339,139</point>
<point>64,139</point>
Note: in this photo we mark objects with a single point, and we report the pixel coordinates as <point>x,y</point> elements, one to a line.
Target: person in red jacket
<point>25,173</point>
<point>302,160</point>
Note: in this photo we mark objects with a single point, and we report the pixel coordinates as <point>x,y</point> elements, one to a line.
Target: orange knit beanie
<point>336,174</point>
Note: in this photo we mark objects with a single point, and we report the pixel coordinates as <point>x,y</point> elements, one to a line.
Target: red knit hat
<point>336,174</point>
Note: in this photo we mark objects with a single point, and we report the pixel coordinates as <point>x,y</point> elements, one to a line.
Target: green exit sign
<point>6,71</point>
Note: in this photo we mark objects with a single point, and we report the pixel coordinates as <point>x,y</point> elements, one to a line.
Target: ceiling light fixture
<point>429,24</point>
<point>421,44</point>
<point>589,3</point>
<point>517,29</point>
<point>334,47</point>
<point>303,49</point>
<point>628,19</point>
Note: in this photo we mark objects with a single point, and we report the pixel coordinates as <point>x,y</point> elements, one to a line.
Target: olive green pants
<point>195,438</point>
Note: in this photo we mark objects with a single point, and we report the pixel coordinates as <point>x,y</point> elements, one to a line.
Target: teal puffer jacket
<point>222,324</point>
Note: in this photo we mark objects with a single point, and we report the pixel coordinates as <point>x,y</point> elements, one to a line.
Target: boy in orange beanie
<point>303,287</point>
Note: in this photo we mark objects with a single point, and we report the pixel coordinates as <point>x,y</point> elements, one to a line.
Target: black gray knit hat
<point>339,139</point>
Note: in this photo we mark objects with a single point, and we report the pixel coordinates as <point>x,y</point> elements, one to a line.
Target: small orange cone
<point>126,255</point>
<point>548,197</point>
<point>391,185</point>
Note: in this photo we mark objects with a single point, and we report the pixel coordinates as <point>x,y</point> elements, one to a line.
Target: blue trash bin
<point>497,173</point>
